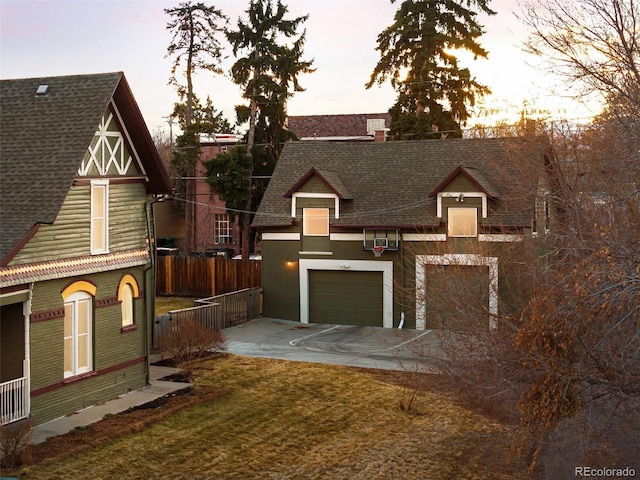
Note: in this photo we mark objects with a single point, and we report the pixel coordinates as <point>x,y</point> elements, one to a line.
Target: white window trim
<point>351,265</point>
<point>424,237</point>
<point>500,237</point>
<point>104,183</point>
<point>73,300</point>
<point>223,219</point>
<point>465,259</point>
<point>295,196</point>
<point>442,195</point>
<point>280,236</point>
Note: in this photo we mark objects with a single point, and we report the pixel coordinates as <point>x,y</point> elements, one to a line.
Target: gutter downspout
<point>150,281</point>
<point>26,363</point>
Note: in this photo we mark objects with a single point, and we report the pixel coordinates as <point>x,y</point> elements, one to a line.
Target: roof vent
<point>42,89</point>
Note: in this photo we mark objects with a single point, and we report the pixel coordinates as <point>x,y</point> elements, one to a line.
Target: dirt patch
<point>180,377</point>
<point>170,362</point>
<point>130,421</point>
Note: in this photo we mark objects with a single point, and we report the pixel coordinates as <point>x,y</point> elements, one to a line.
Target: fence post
<point>212,272</point>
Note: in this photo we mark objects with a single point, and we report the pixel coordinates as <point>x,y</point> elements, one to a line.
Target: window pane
<point>463,222</point>
<point>68,355</point>
<point>127,305</point>
<point>83,351</point>
<point>315,221</point>
<point>98,201</point>
<point>222,227</point>
<point>97,235</point>
<point>99,220</point>
<point>68,320</point>
<point>83,317</point>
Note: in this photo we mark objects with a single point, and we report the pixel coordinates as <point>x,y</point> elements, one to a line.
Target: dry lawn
<point>269,419</point>
<point>166,304</point>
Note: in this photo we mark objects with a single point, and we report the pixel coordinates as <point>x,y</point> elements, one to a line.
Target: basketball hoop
<point>377,250</point>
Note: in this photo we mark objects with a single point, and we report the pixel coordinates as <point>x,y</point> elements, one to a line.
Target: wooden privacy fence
<point>214,313</point>
<point>203,276</point>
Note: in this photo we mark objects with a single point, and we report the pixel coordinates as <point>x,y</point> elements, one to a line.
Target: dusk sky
<point>56,37</point>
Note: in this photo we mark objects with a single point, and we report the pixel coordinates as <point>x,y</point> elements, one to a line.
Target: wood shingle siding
<point>70,231</point>
<point>127,217</point>
<point>69,234</point>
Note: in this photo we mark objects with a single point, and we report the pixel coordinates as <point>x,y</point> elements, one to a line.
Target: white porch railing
<point>14,400</point>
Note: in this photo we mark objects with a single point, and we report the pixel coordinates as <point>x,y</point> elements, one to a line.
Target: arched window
<point>127,291</point>
<point>78,332</point>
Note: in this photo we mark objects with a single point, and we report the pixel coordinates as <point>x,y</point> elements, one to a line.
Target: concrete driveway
<point>356,346</point>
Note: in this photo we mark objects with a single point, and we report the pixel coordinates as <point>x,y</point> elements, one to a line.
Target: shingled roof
<point>43,140</point>
<point>343,125</point>
<point>391,183</point>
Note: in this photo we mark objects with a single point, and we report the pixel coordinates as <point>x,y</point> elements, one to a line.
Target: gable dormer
<point>462,197</point>
<point>319,185</point>
<point>462,184</point>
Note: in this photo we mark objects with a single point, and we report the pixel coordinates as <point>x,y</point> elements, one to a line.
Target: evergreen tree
<point>267,68</point>
<point>194,43</point>
<point>416,55</point>
<point>194,27</point>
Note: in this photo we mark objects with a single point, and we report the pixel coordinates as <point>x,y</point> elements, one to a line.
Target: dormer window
<point>315,222</point>
<point>462,222</point>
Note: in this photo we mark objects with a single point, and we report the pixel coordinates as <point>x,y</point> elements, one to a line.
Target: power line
<point>366,213</point>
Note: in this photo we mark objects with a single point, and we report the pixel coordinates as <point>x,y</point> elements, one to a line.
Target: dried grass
<point>166,304</point>
<point>284,420</point>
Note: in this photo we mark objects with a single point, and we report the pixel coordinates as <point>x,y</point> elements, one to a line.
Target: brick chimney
<point>380,136</point>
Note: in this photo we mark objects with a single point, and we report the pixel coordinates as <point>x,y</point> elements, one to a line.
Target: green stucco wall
<point>281,279</point>
<point>281,282</point>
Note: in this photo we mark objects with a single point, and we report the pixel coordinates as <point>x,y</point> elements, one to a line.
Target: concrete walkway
<point>156,389</point>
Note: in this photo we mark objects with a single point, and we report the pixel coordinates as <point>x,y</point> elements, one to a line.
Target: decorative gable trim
<point>54,269</point>
<point>111,151</point>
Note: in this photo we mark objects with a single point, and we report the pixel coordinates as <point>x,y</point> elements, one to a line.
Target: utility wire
<point>363,214</point>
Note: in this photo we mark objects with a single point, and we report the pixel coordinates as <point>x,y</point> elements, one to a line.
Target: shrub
<point>14,443</point>
<point>189,341</point>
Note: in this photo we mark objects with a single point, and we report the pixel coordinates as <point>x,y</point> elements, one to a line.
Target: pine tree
<point>194,27</point>
<point>194,42</point>
<point>416,56</point>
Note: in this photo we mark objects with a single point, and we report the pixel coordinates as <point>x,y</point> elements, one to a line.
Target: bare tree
<point>593,44</point>
<point>564,363</point>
